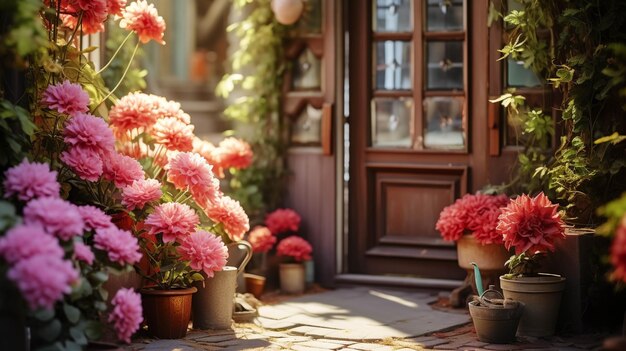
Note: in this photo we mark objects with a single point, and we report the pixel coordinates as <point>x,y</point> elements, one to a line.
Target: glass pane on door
<point>444,65</point>
<point>444,126</point>
<point>391,122</point>
<point>445,16</point>
<point>393,65</point>
<point>392,16</point>
<point>520,76</point>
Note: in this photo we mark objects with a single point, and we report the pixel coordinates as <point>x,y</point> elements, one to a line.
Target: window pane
<point>519,76</point>
<point>445,16</point>
<point>392,16</point>
<point>393,65</point>
<point>443,123</point>
<point>391,122</point>
<point>306,129</point>
<point>307,72</point>
<point>445,65</point>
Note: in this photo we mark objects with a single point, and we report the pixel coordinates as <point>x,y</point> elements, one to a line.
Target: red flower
<point>531,224</point>
<point>283,220</point>
<point>618,252</point>
<point>261,239</point>
<point>296,247</point>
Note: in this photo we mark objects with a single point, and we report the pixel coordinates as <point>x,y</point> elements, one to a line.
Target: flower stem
<point>115,53</point>
<point>121,79</point>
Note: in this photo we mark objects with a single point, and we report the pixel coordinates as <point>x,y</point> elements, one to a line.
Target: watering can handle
<point>248,248</point>
<point>478,279</point>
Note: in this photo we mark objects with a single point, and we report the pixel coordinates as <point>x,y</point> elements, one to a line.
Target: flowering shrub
<point>295,248</point>
<point>283,220</point>
<point>475,214</point>
<point>530,225</point>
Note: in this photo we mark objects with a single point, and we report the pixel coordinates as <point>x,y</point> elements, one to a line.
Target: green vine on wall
<point>253,90</point>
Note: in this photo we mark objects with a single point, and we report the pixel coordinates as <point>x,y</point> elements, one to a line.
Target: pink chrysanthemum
<point>89,132</point>
<point>229,212</point>
<point>295,247</point>
<point>173,134</point>
<point>140,193</point>
<point>56,216</point>
<point>83,253</point>
<point>618,252</point>
<point>66,97</point>
<point>122,170</point>
<point>31,180</point>
<point>173,220</point>
<point>261,239</point>
<point>204,251</point>
<point>283,220</point>
<point>94,217</point>
<point>143,19</point>
<point>28,240</point>
<point>94,15</point>
<point>43,279</point>
<point>210,154</point>
<point>114,7</point>
<point>86,163</point>
<point>187,170</point>
<point>120,245</point>
<point>234,153</point>
<point>127,313</point>
<point>531,224</point>
<point>133,111</point>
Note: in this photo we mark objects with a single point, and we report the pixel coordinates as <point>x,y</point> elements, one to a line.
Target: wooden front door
<point>419,129</point>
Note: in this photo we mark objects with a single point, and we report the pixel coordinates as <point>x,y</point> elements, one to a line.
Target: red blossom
<point>618,252</point>
<point>296,247</point>
<point>283,220</point>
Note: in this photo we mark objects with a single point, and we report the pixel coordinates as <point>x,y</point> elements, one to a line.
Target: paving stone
<point>278,312</point>
<point>476,344</point>
<point>248,345</point>
<point>320,345</point>
<point>370,347</point>
<point>290,340</point>
<point>214,339</point>
<point>169,345</point>
<point>306,348</point>
<point>274,324</point>
<point>301,329</point>
<point>319,332</point>
<point>432,343</point>
<point>421,339</point>
<point>335,341</point>
<point>504,347</point>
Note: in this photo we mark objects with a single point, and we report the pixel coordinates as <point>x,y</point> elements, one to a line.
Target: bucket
<point>495,319</point>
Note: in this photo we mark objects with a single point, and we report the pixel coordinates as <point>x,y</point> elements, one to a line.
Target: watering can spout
<point>478,279</point>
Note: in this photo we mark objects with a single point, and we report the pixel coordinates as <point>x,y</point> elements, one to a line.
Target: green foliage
<point>524,265</point>
<point>135,78</point>
<point>26,34</point>
<point>16,129</point>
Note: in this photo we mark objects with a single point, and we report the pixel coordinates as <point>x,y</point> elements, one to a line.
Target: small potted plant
<point>532,225</point>
<point>262,241</point>
<point>292,276</point>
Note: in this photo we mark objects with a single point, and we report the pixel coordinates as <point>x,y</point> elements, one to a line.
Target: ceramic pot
<point>542,297</point>
<point>213,303</point>
<point>496,325</point>
<point>287,11</point>
<point>255,284</point>
<point>490,257</point>
<point>167,312</point>
<point>292,278</point>
<point>125,279</point>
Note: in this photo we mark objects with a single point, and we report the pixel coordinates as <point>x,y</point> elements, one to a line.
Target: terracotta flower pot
<point>490,257</point>
<point>496,325</point>
<point>255,284</point>
<point>292,278</point>
<point>167,312</point>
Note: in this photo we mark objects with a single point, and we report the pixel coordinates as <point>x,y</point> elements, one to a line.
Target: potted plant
<point>262,241</point>
<point>294,251</point>
<point>531,225</point>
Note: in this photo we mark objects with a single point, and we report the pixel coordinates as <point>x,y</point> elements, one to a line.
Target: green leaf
<point>57,346</point>
<point>50,331</point>
<point>72,346</point>
<point>44,315</point>
<point>72,313</point>
<point>78,335</point>
<point>93,330</point>
<point>197,277</point>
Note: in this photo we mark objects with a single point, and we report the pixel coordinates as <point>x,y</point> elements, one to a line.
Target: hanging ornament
<point>287,11</point>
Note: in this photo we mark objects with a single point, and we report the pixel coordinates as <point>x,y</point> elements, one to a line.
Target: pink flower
<point>43,279</point>
<point>28,240</point>
<point>114,7</point>
<point>451,223</point>
<point>190,170</point>
<point>89,132</point>
<point>84,162</point>
<point>31,180</point>
<point>94,15</point>
<point>204,251</point>
<point>140,193</point>
<point>230,213</point>
<point>120,245</point>
<point>127,313</point>
<point>122,170</point>
<point>134,110</point>
<point>94,218</point>
<point>144,20</point>
<point>531,224</point>
<point>283,220</point>
<point>173,220</point>
<point>296,247</point>
<point>234,153</point>
<point>173,134</point>
<point>66,97</point>
<point>56,216</point>
<point>210,154</point>
<point>83,253</point>
<point>618,252</point>
<point>261,239</point>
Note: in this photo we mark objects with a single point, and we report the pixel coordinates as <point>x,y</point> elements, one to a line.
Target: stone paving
<point>357,319</point>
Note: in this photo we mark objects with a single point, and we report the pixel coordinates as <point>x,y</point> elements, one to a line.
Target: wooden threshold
<point>406,282</point>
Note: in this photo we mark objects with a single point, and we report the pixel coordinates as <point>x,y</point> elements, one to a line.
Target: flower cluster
<point>283,220</point>
<point>475,214</point>
<point>261,239</point>
<point>618,252</point>
<point>127,313</point>
<point>294,247</point>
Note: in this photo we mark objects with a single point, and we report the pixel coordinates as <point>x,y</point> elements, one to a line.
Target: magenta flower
<point>172,219</point>
<point>94,218</point>
<point>127,313</point>
<point>66,97</point>
<point>56,216</point>
<point>31,180</point>
<point>295,247</point>
<point>143,19</point>
<point>234,153</point>
<point>122,170</point>
<point>618,252</point>
<point>43,279</point>
<point>261,239</point>
<point>141,192</point>
<point>531,224</point>
<point>83,253</point>
<point>86,163</point>
<point>204,251</point>
<point>120,245</point>
<point>283,220</point>
<point>230,213</point>
<point>173,134</point>
<point>89,132</point>
<point>187,170</point>
<point>28,240</point>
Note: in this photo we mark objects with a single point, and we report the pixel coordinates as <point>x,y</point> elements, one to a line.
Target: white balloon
<point>287,11</point>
